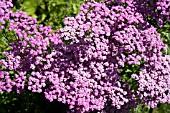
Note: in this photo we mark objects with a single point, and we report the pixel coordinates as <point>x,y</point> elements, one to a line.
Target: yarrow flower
<point>5,11</point>
<point>157,10</point>
<point>89,64</point>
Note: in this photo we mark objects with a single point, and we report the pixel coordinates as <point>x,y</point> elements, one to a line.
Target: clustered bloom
<point>5,11</point>
<point>28,52</point>
<point>158,10</point>
<point>154,81</point>
<point>81,64</point>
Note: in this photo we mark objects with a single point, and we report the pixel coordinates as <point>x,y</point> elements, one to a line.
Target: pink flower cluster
<point>82,63</point>
<point>156,10</point>
<point>5,11</point>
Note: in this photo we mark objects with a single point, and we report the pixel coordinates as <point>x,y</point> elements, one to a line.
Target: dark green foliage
<point>161,108</point>
<point>6,37</point>
<point>128,70</point>
<point>28,102</point>
<point>49,12</point>
<point>165,35</point>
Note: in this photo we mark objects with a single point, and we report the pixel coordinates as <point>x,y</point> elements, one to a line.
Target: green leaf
<point>167,25</point>
<point>75,9</point>
<point>11,72</point>
<point>128,70</point>
<point>30,7</point>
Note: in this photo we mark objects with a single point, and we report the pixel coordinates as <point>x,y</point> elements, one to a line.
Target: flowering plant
<point>106,58</point>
